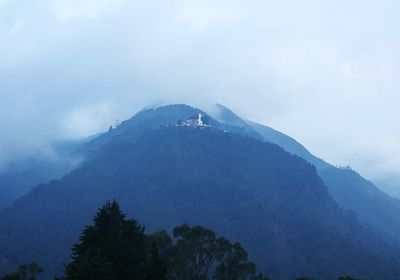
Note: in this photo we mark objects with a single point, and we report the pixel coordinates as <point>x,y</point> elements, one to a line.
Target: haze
<point>326,73</point>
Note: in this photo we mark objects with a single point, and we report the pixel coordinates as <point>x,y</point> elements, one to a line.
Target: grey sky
<point>325,72</point>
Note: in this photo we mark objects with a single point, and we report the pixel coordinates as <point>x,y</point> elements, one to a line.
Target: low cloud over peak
<point>326,73</point>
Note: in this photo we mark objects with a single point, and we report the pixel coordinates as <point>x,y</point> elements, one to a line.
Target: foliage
<point>24,272</point>
<point>112,248</point>
<point>196,253</point>
<point>157,267</point>
<point>115,248</point>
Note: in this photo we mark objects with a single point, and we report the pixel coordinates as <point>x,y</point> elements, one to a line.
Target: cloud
<point>72,9</point>
<point>324,72</point>
<point>85,121</point>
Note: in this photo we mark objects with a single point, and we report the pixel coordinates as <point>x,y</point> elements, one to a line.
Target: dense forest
<point>117,248</point>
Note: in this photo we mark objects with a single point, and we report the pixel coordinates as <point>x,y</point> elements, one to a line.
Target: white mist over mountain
<point>323,72</point>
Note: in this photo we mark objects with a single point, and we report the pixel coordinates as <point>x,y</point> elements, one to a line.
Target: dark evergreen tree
<point>91,268</point>
<point>112,248</point>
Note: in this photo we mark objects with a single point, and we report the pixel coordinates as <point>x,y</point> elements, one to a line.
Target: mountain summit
<point>166,167</point>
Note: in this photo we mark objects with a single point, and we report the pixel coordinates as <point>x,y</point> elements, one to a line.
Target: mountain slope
<point>245,189</point>
<point>30,171</point>
<point>350,190</point>
<point>347,187</point>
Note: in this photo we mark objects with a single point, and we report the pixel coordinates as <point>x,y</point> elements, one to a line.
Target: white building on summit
<point>200,119</point>
<point>193,121</point>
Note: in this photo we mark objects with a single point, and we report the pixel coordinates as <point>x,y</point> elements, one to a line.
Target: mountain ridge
<point>181,174</point>
<point>158,169</point>
<point>347,187</point>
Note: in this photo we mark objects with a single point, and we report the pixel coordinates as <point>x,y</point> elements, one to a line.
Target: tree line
<point>117,248</point>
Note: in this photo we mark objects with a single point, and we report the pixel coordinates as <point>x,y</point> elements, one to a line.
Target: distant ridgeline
<point>294,213</point>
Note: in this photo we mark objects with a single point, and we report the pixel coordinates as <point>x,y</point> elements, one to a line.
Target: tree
<point>112,248</point>
<point>196,253</point>
<point>115,248</point>
<point>24,272</point>
<point>157,268</point>
<point>91,268</point>
<point>233,262</point>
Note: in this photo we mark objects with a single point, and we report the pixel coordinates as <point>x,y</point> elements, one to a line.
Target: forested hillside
<point>272,202</point>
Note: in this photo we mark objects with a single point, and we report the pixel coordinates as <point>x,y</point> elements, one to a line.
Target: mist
<point>324,72</point>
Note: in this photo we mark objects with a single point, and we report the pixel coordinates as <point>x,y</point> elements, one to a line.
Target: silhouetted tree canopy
<point>112,248</point>
<point>116,248</point>
<point>196,253</point>
<point>24,272</point>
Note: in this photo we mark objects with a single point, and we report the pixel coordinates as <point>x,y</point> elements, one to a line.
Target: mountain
<point>348,188</point>
<point>21,176</point>
<point>217,176</point>
<point>389,184</point>
<point>64,156</point>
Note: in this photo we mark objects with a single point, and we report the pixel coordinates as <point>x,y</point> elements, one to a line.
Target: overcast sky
<point>325,72</point>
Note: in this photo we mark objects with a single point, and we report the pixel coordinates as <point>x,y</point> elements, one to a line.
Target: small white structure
<point>193,122</point>
<point>200,120</point>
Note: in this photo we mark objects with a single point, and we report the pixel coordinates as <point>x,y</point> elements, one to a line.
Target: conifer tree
<point>112,248</point>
